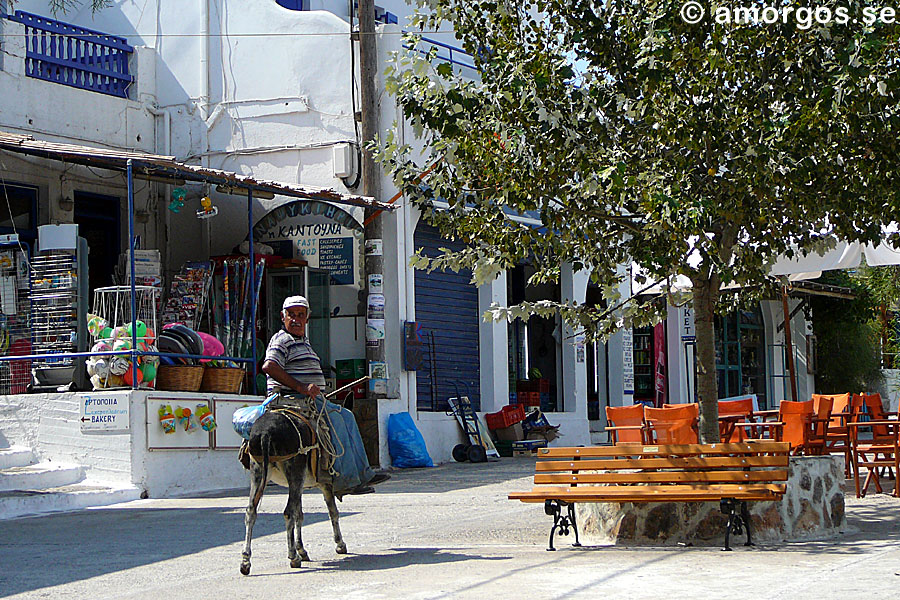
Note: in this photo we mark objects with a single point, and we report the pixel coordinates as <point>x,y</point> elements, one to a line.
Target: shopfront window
<point>740,358</point>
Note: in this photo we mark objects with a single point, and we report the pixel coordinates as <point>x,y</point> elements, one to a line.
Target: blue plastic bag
<point>405,443</point>
<point>243,418</point>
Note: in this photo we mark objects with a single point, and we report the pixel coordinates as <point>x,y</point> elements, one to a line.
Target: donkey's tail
<point>264,442</point>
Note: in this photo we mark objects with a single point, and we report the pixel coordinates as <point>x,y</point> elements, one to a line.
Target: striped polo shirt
<point>296,356</point>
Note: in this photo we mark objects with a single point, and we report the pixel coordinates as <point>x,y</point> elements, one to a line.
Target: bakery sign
<point>324,235</point>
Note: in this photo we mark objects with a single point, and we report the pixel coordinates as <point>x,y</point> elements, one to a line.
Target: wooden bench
<point>731,474</point>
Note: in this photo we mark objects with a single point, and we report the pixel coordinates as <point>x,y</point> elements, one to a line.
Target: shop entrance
<point>315,285</point>
<point>99,222</point>
<point>740,358</point>
<point>535,345</point>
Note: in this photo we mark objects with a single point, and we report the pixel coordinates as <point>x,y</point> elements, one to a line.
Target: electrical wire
<point>87,36</point>
<point>358,144</point>
<point>12,219</point>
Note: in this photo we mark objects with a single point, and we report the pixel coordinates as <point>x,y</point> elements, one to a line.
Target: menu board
<point>336,257</point>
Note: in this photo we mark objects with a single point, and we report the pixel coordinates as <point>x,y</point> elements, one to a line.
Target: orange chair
<point>794,424</point>
<point>843,411</point>
<point>878,450</point>
<point>875,409</point>
<point>818,431</point>
<point>729,412</point>
<point>673,424</point>
<point>881,450</point>
<point>626,424</point>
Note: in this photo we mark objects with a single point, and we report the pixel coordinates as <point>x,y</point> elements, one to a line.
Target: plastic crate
<point>350,368</point>
<point>541,386</point>
<point>506,417</point>
<point>530,398</point>
<point>504,448</point>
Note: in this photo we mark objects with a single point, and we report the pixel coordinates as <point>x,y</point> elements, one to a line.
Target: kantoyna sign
<point>324,235</point>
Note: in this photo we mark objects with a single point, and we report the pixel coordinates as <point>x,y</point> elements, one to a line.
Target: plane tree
<point>698,150</point>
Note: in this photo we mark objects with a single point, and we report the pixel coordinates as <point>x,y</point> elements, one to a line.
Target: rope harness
<point>318,420</point>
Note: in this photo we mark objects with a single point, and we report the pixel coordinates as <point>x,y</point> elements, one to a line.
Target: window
<point>18,210</point>
<point>293,4</point>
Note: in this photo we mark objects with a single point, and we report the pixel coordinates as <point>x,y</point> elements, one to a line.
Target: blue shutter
<point>447,309</point>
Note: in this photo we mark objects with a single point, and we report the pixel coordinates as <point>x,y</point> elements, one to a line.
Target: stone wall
<point>812,508</point>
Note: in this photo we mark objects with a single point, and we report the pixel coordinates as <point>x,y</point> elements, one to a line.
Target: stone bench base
<point>812,508</point>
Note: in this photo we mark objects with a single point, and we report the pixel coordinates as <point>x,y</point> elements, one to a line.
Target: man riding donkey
<point>294,372</point>
<point>302,440</point>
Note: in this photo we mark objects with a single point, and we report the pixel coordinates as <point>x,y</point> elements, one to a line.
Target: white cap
<point>295,301</point>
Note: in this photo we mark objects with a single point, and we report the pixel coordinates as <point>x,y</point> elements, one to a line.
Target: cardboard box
<point>513,433</point>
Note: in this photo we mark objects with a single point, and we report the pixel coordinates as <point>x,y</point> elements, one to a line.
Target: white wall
<point>49,425</point>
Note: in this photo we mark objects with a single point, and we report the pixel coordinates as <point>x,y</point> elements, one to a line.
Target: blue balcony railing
<point>74,56</point>
<point>446,53</point>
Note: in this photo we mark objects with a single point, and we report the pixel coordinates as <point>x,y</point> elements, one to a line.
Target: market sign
<point>322,234</point>
<point>98,412</point>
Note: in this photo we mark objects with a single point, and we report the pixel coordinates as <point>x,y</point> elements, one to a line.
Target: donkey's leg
<point>257,487</point>
<point>293,513</point>
<point>328,492</point>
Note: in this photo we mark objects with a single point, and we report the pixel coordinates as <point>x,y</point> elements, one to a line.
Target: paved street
<point>447,532</point>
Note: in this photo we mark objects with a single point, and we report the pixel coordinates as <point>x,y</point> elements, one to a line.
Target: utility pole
<point>366,411</point>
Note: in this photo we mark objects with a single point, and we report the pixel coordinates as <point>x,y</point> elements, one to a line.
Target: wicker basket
<point>227,380</point>
<point>179,378</point>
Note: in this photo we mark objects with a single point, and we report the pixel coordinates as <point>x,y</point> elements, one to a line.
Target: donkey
<point>285,441</point>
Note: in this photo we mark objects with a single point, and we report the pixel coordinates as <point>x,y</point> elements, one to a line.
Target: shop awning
<point>844,255</point>
<point>157,167</point>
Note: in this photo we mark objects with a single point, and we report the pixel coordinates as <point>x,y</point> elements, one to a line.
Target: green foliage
<point>703,151</point>
<point>848,357</point>
<point>847,332</point>
<point>639,137</point>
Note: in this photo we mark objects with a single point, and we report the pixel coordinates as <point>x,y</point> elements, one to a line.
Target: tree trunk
<point>705,296</point>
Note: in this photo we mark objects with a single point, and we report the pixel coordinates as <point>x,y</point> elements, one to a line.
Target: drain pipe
<point>166,150</point>
<point>204,59</point>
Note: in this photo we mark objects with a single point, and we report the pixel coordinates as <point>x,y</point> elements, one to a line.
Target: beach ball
<point>106,333</point>
<point>129,374</point>
<point>101,346</point>
<point>149,371</point>
<point>122,344</point>
<point>118,365</point>
<point>140,326</point>
<point>96,324</point>
<point>149,336</point>
<point>151,360</point>
<point>101,367</point>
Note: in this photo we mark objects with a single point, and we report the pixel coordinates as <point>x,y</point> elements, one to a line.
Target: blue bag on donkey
<point>405,443</point>
<point>243,418</point>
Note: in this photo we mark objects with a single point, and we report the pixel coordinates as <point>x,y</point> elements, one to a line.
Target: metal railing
<point>70,55</point>
<point>446,53</point>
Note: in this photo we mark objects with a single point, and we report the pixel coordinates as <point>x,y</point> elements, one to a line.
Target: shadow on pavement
<point>97,542</point>
<point>396,558</point>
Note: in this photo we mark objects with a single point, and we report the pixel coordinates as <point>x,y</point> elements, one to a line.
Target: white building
<point>266,87</point>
